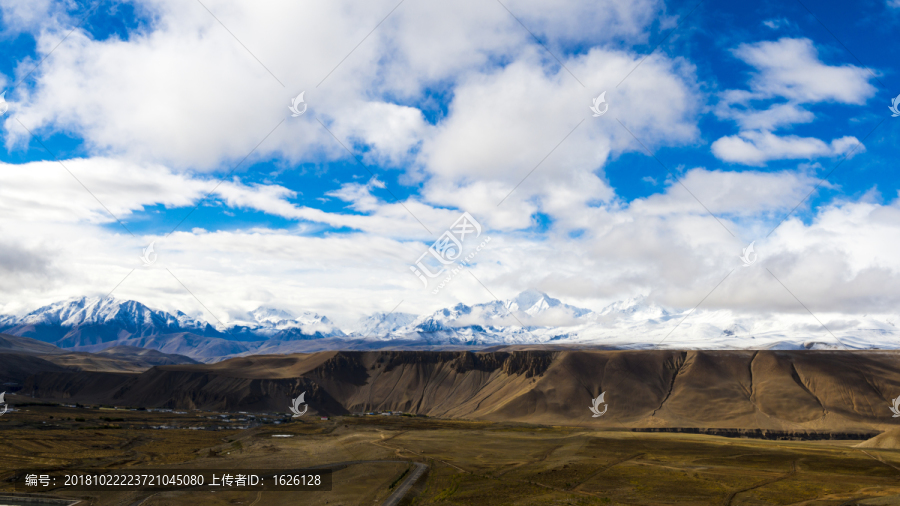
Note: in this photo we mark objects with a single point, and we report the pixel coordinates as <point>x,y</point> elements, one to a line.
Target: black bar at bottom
<point>160,480</point>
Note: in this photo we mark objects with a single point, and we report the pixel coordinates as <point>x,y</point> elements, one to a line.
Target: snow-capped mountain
<point>535,318</point>
<point>94,321</point>
<point>533,303</point>
<point>519,320</point>
<point>382,325</point>
<point>638,307</point>
<point>531,318</point>
<point>91,320</point>
<point>530,309</point>
<point>270,315</point>
<point>272,323</point>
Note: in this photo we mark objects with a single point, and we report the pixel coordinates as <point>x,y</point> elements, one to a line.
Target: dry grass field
<point>469,463</point>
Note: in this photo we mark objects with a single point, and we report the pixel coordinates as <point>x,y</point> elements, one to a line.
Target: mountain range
<point>531,319</point>
<point>798,393</point>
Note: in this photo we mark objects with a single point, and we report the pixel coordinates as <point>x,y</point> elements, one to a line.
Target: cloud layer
<point>461,109</point>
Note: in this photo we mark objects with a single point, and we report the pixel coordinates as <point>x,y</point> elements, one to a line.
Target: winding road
<point>401,491</point>
<point>792,472</point>
<point>404,487</point>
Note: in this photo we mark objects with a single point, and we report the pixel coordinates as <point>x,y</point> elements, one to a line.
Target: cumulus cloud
<point>790,68</point>
<point>187,94</point>
<point>52,191</point>
<point>776,116</point>
<point>506,125</point>
<point>575,21</point>
<point>391,131</point>
<point>101,190</point>
<point>789,76</point>
<point>737,194</point>
<point>665,246</point>
<point>23,16</point>
<point>758,147</point>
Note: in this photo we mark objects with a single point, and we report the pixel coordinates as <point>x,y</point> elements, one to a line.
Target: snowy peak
<point>635,307</point>
<point>531,317</point>
<point>100,319</point>
<point>532,300</point>
<point>279,318</point>
<point>530,308</point>
<point>533,303</point>
<point>105,311</point>
<point>263,315</point>
<point>383,324</point>
<point>67,312</point>
<point>312,318</point>
<point>276,323</point>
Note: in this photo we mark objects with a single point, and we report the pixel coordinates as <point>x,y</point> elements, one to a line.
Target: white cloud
<point>162,109</point>
<point>24,16</point>
<point>392,130</point>
<point>47,191</point>
<point>776,116</point>
<point>187,94</point>
<point>790,68</point>
<point>735,194</point>
<point>790,77</point>
<point>666,246</point>
<point>776,23</point>
<point>575,21</point>
<point>41,192</point>
<point>758,147</point>
<point>504,124</point>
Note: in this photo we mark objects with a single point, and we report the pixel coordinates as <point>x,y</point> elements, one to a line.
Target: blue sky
<point>148,104</point>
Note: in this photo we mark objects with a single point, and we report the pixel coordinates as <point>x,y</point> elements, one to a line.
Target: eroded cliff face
<point>769,390</point>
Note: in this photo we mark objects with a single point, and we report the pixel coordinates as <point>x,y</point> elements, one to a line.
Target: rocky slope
<point>888,440</point>
<point>772,390</point>
<point>22,356</point>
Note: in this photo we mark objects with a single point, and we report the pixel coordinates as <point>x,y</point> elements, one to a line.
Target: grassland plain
<point>469,462</point>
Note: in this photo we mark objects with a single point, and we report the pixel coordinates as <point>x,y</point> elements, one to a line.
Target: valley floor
<point>466,463</point>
